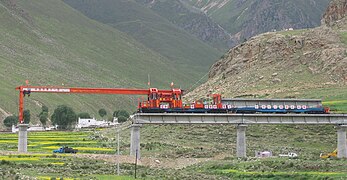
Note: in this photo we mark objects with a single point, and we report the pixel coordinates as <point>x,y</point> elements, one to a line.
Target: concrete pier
<point>341,141</point>
<point>242,120</point>
<point>135,140</point>
<point>241,140</point>
<point>23,137</point>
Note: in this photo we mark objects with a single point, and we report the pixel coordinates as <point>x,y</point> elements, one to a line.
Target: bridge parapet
<point>186,118</point>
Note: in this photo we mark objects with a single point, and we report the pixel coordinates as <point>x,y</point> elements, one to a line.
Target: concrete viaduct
<point>241,121</point>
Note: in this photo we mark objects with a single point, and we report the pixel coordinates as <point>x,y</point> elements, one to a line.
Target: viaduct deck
<point>191,118</point>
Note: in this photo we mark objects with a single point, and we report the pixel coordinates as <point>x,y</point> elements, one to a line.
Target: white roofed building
<point>92,122</point>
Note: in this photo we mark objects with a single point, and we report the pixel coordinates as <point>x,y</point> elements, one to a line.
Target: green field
<point>278,168</point>
<point>43,164</point>
<point>48,166</point>
<point>44,142</point>
<point>177,142</point>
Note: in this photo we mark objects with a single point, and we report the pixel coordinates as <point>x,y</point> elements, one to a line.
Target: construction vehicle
<point>329,155</point>
<point>155,98</point>
<point>170,101</point>
<point>65,149</point>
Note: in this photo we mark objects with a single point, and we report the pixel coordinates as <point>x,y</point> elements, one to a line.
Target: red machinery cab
<point>217,100</point>
<point>326,110</point>
<point>152,99</point>
<point>163,100</point>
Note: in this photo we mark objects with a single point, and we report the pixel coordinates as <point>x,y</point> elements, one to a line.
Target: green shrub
<point>122,119</point>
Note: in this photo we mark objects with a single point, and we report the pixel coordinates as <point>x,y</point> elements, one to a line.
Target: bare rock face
<point>316,49</point>
<point>336,11</point>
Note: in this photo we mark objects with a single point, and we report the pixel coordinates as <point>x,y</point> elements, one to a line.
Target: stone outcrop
<point>317,49</point>
<point>336,11</point>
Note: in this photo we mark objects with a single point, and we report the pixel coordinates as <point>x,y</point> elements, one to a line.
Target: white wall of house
<point>34,128</point>
<point>85,123</point>
<point>82,123</point>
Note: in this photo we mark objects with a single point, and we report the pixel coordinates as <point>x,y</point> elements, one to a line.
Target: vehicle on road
<point>65,149</point>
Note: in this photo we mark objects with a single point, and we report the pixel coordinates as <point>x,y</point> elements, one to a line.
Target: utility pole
<point>117,128</point>
<point>118,150</point>
<point>135,162</point>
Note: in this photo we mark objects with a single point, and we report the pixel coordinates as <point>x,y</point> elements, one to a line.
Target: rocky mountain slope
<point>246,18</point>
<point>299,63</point>
<point>335,13</point>
<point>219,23</point>
<point>192,20</point>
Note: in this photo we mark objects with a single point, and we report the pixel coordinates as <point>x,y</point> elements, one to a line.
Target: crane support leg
<point>241,140</point>
<point>341,141</point>
<point>135,140</point>
<point>21,107</point>
<point>23,137</point>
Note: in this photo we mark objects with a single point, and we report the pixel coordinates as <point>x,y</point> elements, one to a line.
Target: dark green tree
<point>115,113</point>
<point>44,108</point>
<point>83,115</point>
<point>10,120</point>
<point>26,116</point>
<point>102,112</point>
<point>123,113</point>
<point>122,119</point>
<point>43,116</point>
<point>64,117</point>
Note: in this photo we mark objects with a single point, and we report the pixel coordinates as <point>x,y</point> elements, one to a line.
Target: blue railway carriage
<point>243,105</point>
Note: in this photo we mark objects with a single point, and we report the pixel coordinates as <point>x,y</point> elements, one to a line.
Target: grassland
<point>153,31</point>
<point>50,43</point>
<point>293,32</point>
<point>277,168</point>
<point>344,37</point>
<point>48,166</point>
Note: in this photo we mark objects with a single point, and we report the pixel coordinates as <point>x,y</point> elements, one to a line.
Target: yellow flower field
<point>58,163</point>
<point>82,148</point>
<point>51,140</point>
<point>7,158</point>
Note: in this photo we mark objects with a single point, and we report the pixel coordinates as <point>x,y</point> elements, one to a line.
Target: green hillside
<point>152,30</point>
<point>49,43</point>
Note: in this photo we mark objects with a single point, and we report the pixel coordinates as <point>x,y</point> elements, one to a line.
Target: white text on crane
<point>47,90</point>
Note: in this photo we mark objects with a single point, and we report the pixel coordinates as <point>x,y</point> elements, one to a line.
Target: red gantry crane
<point>172,98</point>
